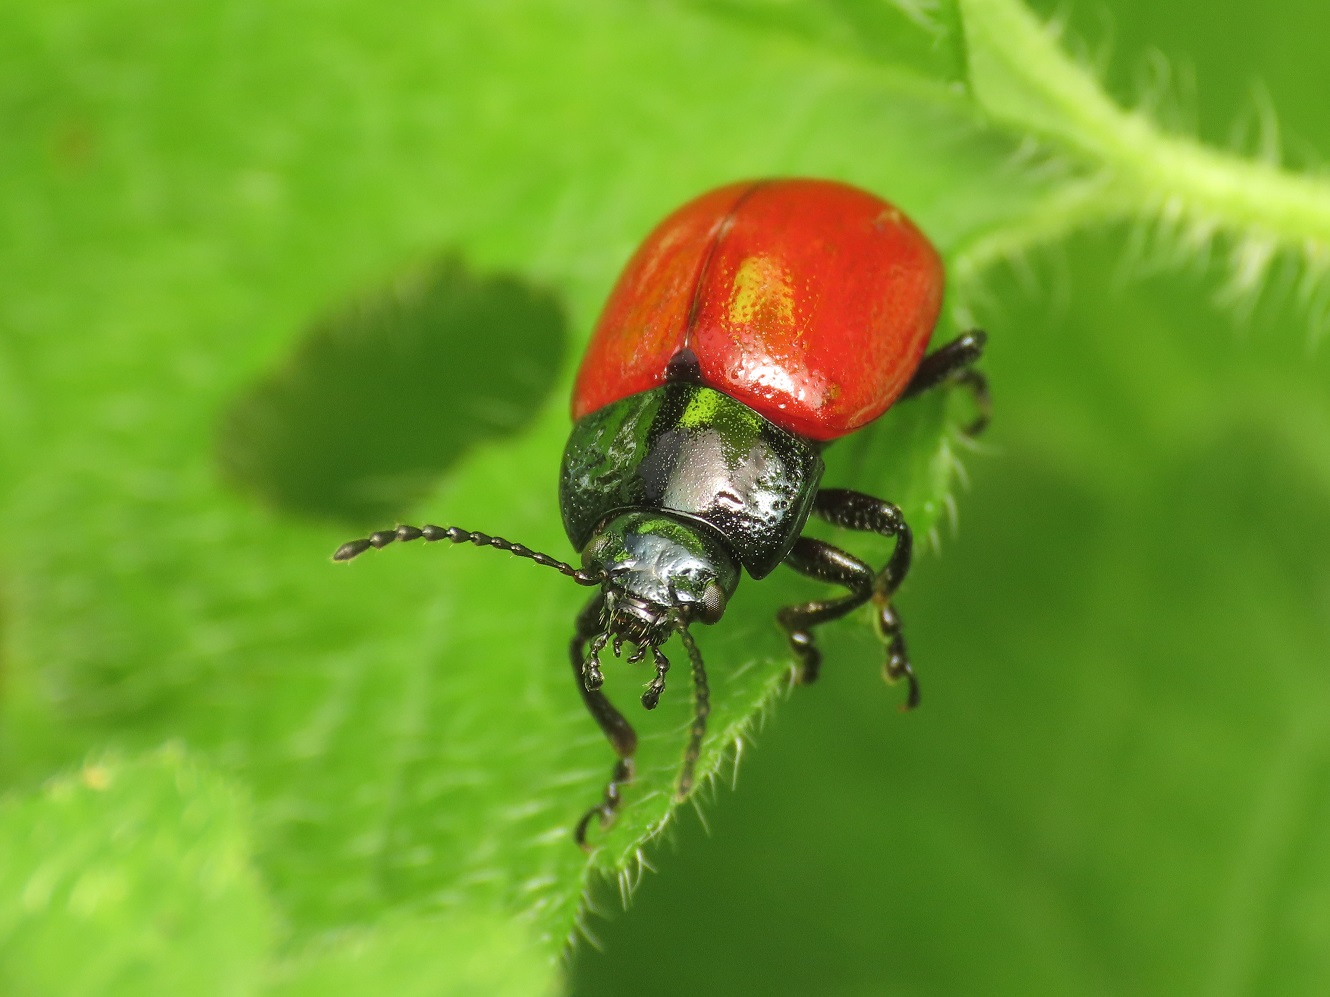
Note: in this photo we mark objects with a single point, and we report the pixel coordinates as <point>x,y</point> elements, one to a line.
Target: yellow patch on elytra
<point>762,296</point>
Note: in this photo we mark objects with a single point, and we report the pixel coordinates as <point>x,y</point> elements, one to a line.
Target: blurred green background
<point>223,227</point>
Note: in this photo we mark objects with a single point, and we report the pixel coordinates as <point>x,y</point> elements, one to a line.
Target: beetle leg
<point>954,364</point>
<point>826,563</point>
<point>622,737</point>
<point>855,511</point>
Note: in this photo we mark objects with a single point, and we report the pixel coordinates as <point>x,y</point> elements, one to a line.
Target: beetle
<point>755,325</point>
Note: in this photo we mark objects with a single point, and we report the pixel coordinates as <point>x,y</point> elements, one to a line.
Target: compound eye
<point>712,606</point>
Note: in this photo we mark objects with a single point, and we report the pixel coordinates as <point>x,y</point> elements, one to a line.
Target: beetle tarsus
<point>978,385</point>
<point>804,646</point>
<point>609,808</point>
<point>897,666</point>
<point>954,364</point>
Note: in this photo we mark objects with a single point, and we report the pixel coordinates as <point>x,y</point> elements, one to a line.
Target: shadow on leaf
<point>383,396</point>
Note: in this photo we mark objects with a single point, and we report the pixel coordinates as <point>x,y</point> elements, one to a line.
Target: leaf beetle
<point>755,325</point>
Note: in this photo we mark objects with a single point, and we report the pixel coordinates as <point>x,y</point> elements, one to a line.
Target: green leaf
<point>481,952</point>
<point>130,877</point>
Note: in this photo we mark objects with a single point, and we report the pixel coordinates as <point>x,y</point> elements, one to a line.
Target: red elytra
<point>810,301</point>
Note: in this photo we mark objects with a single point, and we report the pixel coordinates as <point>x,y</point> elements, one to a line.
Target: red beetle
<point>754,325</point>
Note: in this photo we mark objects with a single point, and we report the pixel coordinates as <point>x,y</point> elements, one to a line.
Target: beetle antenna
<point>453,534</point>
<point>701,710</point>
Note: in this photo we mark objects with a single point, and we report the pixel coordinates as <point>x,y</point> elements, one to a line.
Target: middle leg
<point>855,511</point>
<point>826,563</point>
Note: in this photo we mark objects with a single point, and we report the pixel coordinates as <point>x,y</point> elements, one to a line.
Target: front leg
<point>617,730</point>
<point>824,562</point>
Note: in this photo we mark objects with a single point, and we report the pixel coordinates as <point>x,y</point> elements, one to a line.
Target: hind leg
<point>954,364</point>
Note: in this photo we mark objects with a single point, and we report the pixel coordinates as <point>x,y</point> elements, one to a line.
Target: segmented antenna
<point>701,710</point>
<point>453,534</point>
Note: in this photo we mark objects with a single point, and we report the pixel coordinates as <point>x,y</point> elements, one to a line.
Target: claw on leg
<point>608,808</point>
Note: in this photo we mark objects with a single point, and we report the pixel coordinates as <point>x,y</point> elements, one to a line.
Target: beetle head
<point>661,574</point>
